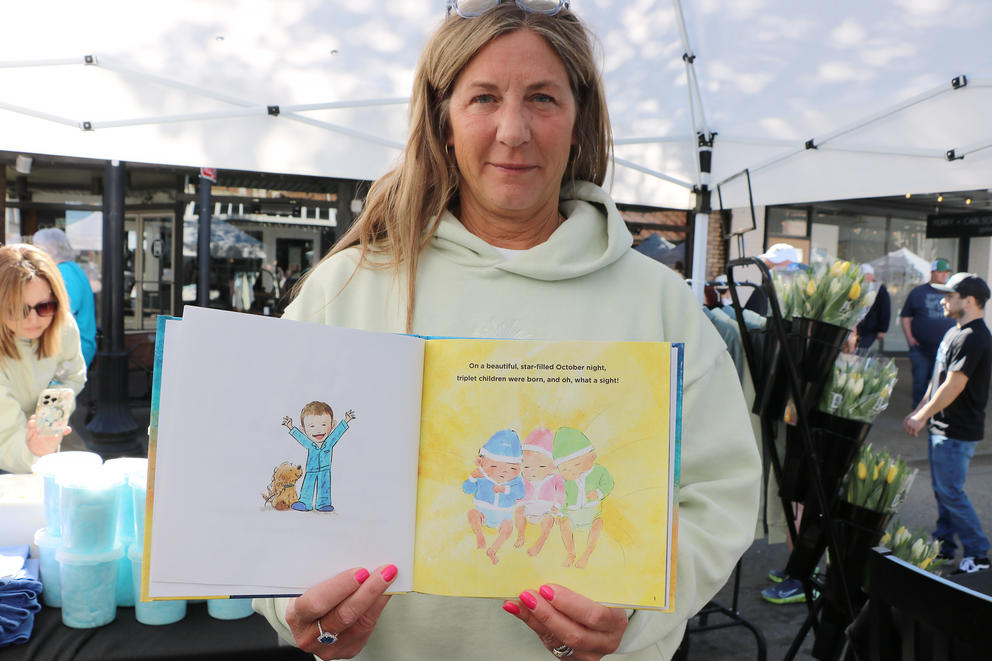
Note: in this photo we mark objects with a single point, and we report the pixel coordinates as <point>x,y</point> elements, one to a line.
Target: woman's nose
<point>514,125</point>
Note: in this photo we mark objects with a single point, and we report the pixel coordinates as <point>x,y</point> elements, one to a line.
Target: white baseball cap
<point>867,269</point>
<point>780,253</point>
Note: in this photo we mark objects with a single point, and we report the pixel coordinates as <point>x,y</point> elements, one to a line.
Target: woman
<point>77,285</point>
<point>39,345</point>
<point>494,225</point>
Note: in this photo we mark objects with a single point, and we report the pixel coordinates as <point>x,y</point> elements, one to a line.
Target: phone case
<point>53,410</point>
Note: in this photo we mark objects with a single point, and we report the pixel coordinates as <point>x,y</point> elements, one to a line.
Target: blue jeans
<point>949,459</point>
<point>921,364</point>
<point>321,479</point>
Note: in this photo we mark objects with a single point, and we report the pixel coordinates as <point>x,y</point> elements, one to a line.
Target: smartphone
<point>54,408</point>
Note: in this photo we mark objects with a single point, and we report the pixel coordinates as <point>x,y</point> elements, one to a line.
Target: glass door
<point>148,269</point>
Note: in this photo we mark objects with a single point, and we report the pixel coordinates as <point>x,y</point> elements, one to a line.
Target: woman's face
<point>33,326</point>
<point>512,116</point>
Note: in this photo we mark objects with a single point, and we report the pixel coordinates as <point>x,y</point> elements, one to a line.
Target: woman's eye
<point>544,98</point>
<point>484,98</point>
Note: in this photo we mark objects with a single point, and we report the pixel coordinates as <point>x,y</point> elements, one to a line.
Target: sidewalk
<point>780,624</point>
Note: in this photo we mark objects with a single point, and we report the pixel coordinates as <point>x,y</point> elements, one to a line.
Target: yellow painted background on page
<point>627,423</point>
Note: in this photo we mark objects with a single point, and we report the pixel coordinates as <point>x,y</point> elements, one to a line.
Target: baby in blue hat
<point>496,486</point>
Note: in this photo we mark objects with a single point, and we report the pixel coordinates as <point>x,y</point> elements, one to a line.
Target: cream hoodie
<point>21,381</point>
<point>584,283</point>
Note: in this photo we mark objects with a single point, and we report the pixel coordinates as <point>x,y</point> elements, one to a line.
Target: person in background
<point>778,257</point>
<point>54,242</point>
<point>924,324</point>
<point>495,225</point>
<point>875,324</point>
<point>39,346</point>
<point>954,403</point>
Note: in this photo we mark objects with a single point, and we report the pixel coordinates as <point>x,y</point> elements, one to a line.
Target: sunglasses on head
<point>44,309</point>
<point>473,8</point>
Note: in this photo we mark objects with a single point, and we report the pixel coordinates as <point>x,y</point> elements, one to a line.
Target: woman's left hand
<point>42,445</point>
<point>565,620</point>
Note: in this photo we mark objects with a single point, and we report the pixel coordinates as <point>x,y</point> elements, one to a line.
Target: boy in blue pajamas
<point>318,436</point>
<point>496,486</point>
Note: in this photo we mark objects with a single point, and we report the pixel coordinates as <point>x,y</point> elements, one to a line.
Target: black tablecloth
<point>197,636</point>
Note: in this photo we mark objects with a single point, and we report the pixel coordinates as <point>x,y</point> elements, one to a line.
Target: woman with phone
<point>39,349</point>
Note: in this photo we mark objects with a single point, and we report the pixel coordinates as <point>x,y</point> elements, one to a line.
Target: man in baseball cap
<point>778,257</point>
<point>954,404</point>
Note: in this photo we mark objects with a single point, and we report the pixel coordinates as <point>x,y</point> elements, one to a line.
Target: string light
<point>940,198</point>
<point>968,201</point>
<point>909,195</point>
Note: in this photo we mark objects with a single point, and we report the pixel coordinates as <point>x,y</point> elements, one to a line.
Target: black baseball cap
<point>966,284</point>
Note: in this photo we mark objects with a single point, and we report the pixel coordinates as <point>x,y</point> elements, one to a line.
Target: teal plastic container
<point>138,484</point>
<point>229,609</point>
<point>47,544</point>
<point>126,467</point>
<point>49,467</point>
<point>152,612</point>
<point>89,587</point>
<point>89,503</point>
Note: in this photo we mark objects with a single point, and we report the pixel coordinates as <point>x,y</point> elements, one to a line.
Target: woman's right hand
<point>347,605</point>
<point>42,445</point>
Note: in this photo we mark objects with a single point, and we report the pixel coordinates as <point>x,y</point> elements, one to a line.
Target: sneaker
<point>946,556</point>
<point>300,507</point>
<point>970,565</point>
<point>777,575</point>
<point>789,591</point>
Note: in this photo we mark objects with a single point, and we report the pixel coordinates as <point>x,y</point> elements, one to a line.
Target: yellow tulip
<point>837,268</point>
<point>810,288</point>
<point>855,292</point>
<point>925,563</point>
<point>862,470</point>
<point>878,469</point>
<point>892,473</point>
<point>886,538</point>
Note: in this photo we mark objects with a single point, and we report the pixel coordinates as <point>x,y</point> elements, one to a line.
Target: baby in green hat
<point>586,484</point>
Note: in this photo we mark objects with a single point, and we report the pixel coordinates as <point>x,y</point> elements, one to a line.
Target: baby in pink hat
<point>544,489</point>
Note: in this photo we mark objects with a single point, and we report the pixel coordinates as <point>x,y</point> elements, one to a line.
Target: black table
<point>196,636</point>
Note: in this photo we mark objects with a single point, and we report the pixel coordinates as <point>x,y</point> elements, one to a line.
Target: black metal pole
<point>113,428</point>
<point>203,244</point>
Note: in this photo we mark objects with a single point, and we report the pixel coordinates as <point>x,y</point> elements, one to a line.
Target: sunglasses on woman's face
<point>44,309</point>
<point>473,8</point>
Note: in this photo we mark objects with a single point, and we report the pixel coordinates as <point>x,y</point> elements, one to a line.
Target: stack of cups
<point>146,612</point>
<point>49,538</point>
<point>89,555</point>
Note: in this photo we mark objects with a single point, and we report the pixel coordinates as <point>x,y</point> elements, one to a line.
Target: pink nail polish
<point>547,592</point>
<point>511,608</point>
<point>389,573</point>
<point>529,600</point>
<point>361,575</point>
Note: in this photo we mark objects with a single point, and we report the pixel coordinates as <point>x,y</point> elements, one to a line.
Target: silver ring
<point>562,651</point>
<point>326,637</point>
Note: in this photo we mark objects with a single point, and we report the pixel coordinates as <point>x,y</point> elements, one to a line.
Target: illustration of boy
<point>318,436</point>
<point>544,489</point>
<point>586,484</point>
<point>496,485</point>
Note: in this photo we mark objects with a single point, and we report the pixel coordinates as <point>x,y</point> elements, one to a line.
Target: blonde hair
<point>19,264</point>
<point>315,408</point>
<point>404,206</point>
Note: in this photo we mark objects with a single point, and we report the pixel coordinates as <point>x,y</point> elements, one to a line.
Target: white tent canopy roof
<point>772,75</point>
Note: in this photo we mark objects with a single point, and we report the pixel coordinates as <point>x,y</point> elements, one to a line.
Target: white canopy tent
<point>817,101</point>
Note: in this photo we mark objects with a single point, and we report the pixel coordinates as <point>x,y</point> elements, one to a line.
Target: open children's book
<point>282,452</point>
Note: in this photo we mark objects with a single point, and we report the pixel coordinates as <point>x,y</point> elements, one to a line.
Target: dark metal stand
<point>769,431</point>
<point>113,428</point>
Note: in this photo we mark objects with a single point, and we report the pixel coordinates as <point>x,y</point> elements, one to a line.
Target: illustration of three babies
<point>551,477</point>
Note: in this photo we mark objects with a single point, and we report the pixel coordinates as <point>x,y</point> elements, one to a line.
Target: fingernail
<point>529,600</point>
<point>389,573</point>
<point>511,608</point>
<point>547,592</point>
<point>361,575</point>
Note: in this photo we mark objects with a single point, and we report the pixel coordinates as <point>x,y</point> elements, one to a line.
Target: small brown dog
<point>281,493</point>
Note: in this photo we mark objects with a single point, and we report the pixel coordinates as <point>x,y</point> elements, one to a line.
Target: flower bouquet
<point>914,547</point>
<point>859,388</point>
<point>823,303</point>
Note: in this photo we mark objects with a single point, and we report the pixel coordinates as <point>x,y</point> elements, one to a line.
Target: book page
<point>278,444</point>
<point>549,462</point>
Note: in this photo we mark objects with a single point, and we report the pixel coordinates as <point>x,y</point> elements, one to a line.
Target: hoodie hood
<point>592,237</point>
